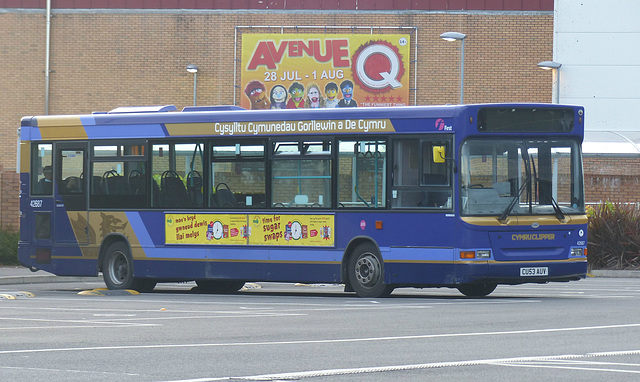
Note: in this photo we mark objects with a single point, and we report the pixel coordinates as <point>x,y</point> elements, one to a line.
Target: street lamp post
<point>194,69</point>
<point>555,67</point>
<point>455,36</point>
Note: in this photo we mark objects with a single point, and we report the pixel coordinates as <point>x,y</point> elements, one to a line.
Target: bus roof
<point>164,121</point>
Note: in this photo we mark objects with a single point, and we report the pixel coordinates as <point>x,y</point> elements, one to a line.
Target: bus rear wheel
<point>366,272</point>
<point>477,290</point>
<point>117,270</point>
<point>117,266</point>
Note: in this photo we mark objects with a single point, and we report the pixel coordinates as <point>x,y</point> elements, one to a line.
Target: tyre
<point>117,266</point>
<point>477,290</point>
<point>219,286</point>
<point>366,272</point>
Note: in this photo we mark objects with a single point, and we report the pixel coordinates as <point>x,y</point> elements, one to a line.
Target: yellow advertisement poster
<point>206,229</point>
<point>324,70</point>
<point>253,229</point>
<point>312,230</point>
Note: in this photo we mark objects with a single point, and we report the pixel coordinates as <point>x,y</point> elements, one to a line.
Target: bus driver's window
<point>419,180</point>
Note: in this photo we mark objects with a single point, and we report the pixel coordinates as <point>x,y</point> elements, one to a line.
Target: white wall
<point>598,44</point>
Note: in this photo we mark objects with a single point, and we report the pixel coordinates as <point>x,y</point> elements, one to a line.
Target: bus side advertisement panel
<point>252,229</point>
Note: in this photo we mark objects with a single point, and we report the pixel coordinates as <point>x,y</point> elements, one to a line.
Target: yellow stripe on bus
<point>525,220</point>
<point>61,127</point>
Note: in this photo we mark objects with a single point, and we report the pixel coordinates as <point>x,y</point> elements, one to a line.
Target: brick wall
<point>615,179</point>
<point>104,60</point>
<point>9,208</point>
<point>497,5</point>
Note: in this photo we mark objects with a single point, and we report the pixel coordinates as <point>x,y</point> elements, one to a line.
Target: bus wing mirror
<point>438,154</point>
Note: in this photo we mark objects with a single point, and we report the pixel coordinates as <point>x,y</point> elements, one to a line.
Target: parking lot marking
<point>67,371</point>
<point>518,361</point>
<point>554,365</point>
<point>326,341</point>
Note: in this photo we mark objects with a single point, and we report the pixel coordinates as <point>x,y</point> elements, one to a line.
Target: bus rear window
<point>525,120</point>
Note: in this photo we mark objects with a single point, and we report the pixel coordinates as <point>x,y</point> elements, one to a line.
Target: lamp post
<point>555,67</point>
<point>455,36</point>
<point>193,69</point>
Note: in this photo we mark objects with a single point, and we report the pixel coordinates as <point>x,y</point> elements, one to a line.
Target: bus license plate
<point>536,271</point>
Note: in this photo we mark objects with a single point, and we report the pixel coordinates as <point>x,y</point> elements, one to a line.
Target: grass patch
<point>614,236</point>
<point>9,247</point>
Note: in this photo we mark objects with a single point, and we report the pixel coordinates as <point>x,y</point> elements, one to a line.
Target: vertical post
<point>191,68</point>
<point>457,36</point>
<point>195,91</point>
<point>47,64</point>
<point>462,73</point>
<point>557,78</point>
<point>555,68</point>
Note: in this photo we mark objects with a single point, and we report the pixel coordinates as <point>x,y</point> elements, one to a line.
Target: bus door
<point>70,210</point>
<point>38,227</point>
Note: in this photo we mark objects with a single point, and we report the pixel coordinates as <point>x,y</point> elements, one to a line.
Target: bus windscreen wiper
<point>557,209</point>
<point>515,199</point>
<point>525,184</point>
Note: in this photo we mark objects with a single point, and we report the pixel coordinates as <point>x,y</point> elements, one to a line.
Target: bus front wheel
<point>477,290</point>
<point>117,266</point>
<point>366,272</point>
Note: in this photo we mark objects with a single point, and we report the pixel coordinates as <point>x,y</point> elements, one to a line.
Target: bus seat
<point>97,188</point>
<point>194,188</point>
<point>115,185</point>
<point>137,184</point>
<point>155,193</point>
<point>173,193</point>
<point>223,197</point>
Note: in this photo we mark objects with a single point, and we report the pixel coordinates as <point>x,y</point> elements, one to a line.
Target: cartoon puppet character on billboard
<point>314,99</point>
<point>257,93</point>
<point>331,91</point>
<point>296,91</point>
<point>347,95</point>
<point>278,97</point>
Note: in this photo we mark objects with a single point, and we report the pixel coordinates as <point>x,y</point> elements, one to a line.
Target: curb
<point>38,279</point>
<point>614,274</point>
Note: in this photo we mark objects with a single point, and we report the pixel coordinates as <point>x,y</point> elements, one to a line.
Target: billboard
<point>290,71</point>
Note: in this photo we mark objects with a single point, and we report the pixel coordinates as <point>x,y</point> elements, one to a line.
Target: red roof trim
<point>326,5</point>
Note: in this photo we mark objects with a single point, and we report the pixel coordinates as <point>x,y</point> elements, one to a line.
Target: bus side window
<point>238,175</point>
<point>421,174</point>
<point>301,168</point>
<point>42,170</point>
<point>118,176</point>
<point>362,174</point>
<point>177,170</point>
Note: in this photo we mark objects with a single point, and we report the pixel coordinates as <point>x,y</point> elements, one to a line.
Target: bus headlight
<point>484,254</point>
<point>578,252</point>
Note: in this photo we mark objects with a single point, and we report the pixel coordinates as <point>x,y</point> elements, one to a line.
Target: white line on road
<point>500,361</point>
<point>327,341</point>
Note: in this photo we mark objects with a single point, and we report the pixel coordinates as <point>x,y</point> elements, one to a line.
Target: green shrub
<point>614,236</point>
<point>9,247</point>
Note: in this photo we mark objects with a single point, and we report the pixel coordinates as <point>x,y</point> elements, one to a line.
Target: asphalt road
<point>587,330</point>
